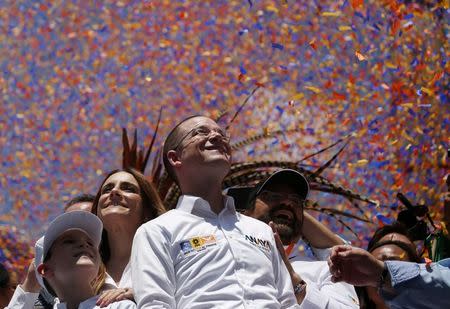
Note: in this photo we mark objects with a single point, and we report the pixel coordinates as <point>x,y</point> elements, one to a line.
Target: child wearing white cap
<point>67,264</point>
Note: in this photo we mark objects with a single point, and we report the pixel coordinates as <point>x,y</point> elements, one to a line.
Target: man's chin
<point>286,233</point>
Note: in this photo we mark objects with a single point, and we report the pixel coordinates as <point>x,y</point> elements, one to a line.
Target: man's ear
<point>173,158</point>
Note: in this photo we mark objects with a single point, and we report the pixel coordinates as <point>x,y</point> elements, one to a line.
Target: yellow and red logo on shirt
<point>197,243</point>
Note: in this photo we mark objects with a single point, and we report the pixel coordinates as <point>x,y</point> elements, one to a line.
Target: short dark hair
<point>151,203</point>
<point>4,277</point>
<point>172,139</point>
<point>396,227</point>
<point>82,198</point>
<point>412,254</point>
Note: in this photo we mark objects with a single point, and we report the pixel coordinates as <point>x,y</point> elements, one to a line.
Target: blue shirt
<point>418,285</point>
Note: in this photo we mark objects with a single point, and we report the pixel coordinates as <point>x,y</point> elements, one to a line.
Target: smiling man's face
<point>204,145</point>
<point>281,204</point>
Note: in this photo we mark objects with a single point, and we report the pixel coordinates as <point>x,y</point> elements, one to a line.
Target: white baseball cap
<point>78,220</point>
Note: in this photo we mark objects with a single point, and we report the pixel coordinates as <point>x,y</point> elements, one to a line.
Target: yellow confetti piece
<point>394,142</point>
<point>148,78</point>
<point>331,14</point>
<point>362,162</point>
<point>272,9</point>
<point>390,65</point>
<point>419,130</point>
<point>313,89</point>
<point>345,28</point>
<point>427,91</point>
<point>360,56</point>
<point>298,96</point>
<point>410,105</point>
<point>408,146</point>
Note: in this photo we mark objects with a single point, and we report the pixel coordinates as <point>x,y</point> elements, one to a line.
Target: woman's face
<point>120,198</point>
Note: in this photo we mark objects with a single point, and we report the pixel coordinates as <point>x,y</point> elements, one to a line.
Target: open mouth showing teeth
<point>284,214</point>
<point>83,253</point>
<point>116,204</point>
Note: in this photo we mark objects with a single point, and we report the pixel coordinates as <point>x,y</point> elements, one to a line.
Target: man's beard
<point>287,229</point>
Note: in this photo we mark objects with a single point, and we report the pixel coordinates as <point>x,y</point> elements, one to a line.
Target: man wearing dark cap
<point>279,200</point>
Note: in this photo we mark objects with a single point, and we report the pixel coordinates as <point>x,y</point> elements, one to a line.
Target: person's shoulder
<point>162,220</point>
<point>166,224</point>
<point>122,304</point>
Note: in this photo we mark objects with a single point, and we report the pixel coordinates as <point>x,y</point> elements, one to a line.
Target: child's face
<point>73,254</point>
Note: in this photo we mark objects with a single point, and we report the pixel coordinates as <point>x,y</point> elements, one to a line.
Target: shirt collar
<point>197,205</point>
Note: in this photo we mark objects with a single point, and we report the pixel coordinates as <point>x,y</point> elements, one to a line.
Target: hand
<point>281,248</point>
<point>114,295</point>
<point>30,284</point>
<point>295,278</point>
<point>354,266</point>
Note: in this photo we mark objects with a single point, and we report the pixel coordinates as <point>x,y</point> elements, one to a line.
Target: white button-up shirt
<point>191,257</point>
<point>321,292</point>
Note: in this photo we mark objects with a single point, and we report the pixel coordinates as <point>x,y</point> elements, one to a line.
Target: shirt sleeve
<point>323,254</point>
<point>324,294</point>
<point>418,285</point>
<point>283,281</point>
<point>152,272</point>
<point>22,299</point>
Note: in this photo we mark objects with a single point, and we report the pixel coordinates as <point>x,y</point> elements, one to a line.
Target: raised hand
<point>354,266</point>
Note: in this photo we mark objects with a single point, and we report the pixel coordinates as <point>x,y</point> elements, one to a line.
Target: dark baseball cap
<point>286,176</point>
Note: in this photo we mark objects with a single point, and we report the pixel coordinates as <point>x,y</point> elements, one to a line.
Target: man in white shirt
<point>204,254</point>
<point>280,199</point>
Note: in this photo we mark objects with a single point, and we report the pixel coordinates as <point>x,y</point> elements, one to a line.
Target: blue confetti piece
<point>279,109</point>
<point>242,70</point>
<point>358,14</point>
<point>277,46</point>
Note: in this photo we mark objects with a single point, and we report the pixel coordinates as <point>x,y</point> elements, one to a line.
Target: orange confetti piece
<point>360,56</point>
<point>427,91</point>
<point>339,96</point>
<point>357,3</point>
